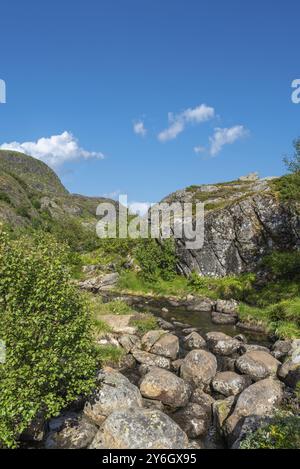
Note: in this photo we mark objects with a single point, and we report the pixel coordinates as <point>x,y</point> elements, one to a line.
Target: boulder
<point>222,344</point>
<point>254,348</point>
<point>72,432</point>
<point>289,372</point>
<point>194,341</point>
<point>281,348</point>
<point>149,339</point>
<point>140,429</point>
<point>166,325</point>
<point>200,305</point>
<point>259,399</point>
<point>221,410</point>
<point>175,366</point>
<point>129,342</point>
<point>120,323</point>
<point>114,392</point>
<point>226,363</point>
<point>194,419</point>
<point>222,318</point>
<point>257,364</point>
<point>146,358</point>
<point>164,386</point>
<point>199,367</point>
<point>229,383</point>
<point>203,399</point>
<point>227,307</point>
<point>167,346</point>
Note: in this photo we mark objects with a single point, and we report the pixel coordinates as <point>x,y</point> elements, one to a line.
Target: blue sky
<point>95,68</point>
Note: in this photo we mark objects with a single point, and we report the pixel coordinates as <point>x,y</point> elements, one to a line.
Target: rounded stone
<point>199,367</point>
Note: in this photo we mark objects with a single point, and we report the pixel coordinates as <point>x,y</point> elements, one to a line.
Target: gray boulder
<point>194,341</point>
<point>167,346</point>
<point>72,432</point>
<point>257,364</point>
<point>199,367</point>
<point>227,306</point>
<point>194,419</point>
<point>289,372</point>
<point>146,358</point>
<point>164,386</point>
<point>114,392</point>
<point>259,399</point>
<point>229,383</point>
<point>222,344</point>
<point>140,429</point>
<point>222,318</point>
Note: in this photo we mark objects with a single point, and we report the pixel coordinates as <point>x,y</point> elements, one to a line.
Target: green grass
<point>282,319</point>
<point>146,324</point>
<point>132,282</point>
<point>109,354</point>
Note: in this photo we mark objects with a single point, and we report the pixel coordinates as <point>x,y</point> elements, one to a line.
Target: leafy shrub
<point>5,198</point>
<point>148,323</point>
<point>283,265</point>
<point>156,259</point>
<point>46,328</point>
<point>283,432</point>
<point>228,287</point>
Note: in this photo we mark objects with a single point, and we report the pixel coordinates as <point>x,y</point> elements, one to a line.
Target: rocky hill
<point>244,220</point>
<point>31,193</point>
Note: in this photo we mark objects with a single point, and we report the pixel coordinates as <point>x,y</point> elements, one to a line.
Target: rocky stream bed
<point>196,382</point>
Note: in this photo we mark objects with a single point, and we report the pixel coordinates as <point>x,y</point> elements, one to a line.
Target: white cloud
<point>199,149</point>
<point>54,150</point>
<point>139,128</point>
<point>178,122</point>
<point>225,136</point>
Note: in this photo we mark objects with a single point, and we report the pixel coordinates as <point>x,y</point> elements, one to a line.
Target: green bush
<point>156,259</point>
<point>283,432</point>
<point>5,198</point>
<point>45,326</point>
<point>283,265</point>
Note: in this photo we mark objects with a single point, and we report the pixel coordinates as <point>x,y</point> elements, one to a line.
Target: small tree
<point>45,326</point>
<point>156,259</point>
<point>293,163</point>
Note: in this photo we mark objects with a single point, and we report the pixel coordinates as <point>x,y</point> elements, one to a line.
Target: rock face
<point>257,364</point>
<point>229,383</point>
<point>166,387</point>
<point>199,367</point>
<point>259,399</point>
<point>243,222</point>
<point>115,392</point>
<point>140,429</point>
<point>222,344</point>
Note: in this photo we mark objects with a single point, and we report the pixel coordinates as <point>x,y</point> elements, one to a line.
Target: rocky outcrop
<point>244,221</point>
